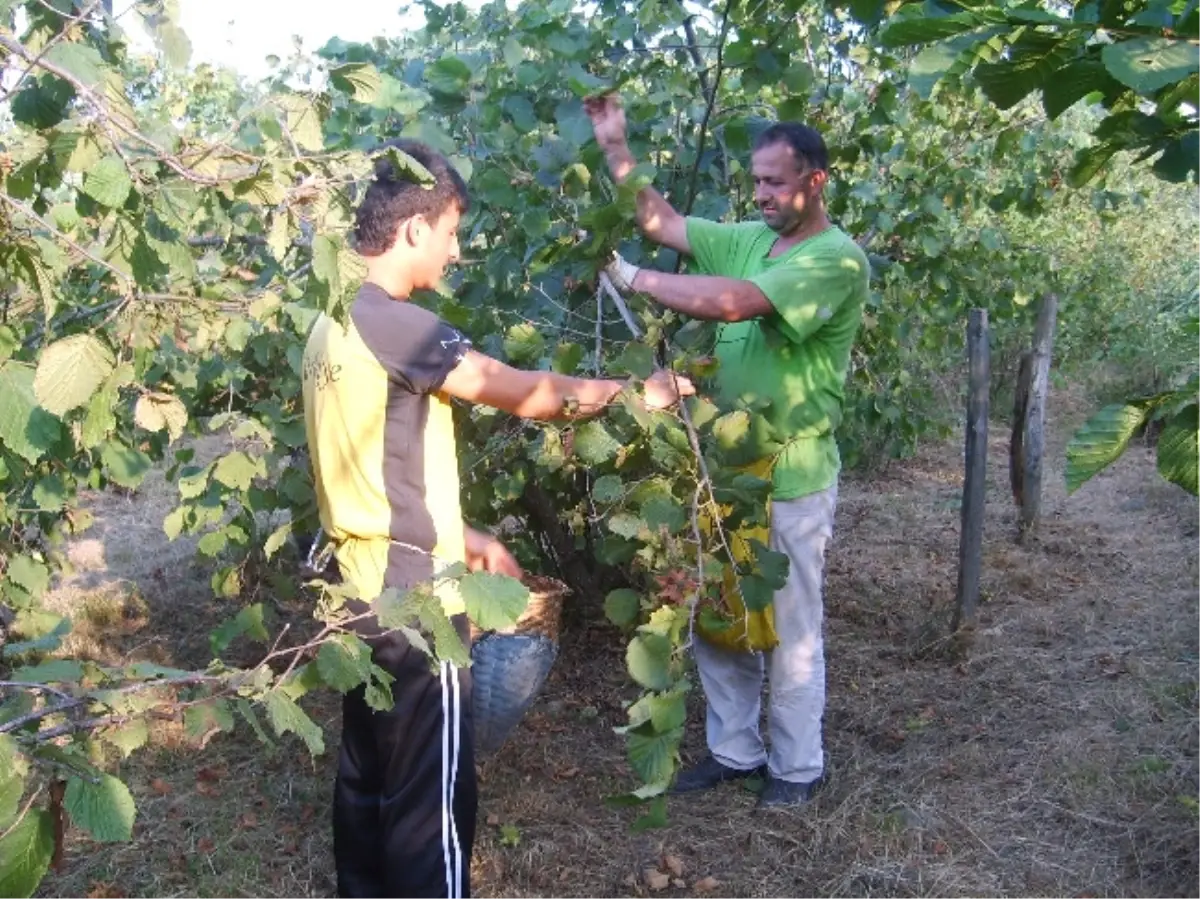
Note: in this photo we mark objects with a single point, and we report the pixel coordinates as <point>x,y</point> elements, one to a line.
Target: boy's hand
<point>663,389</point>
<point>486,553</point>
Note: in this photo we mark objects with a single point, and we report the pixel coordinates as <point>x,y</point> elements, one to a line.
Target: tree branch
<point>87,11</point>
<point>87,93</point>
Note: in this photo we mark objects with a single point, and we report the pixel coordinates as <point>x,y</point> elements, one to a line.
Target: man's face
<point>785,189</point>
<point>439,246</point>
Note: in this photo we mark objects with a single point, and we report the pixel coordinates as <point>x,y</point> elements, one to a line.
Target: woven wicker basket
<point>510,667</point>
<point>543,615</point>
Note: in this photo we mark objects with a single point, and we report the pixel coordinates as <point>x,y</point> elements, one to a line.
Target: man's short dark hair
<point>806,143</point>
<point>395,196</point>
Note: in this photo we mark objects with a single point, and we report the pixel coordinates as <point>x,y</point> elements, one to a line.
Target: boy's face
<point>438,247</point>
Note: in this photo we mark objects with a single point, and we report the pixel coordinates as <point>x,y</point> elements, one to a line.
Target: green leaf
<point>594,444</point>
<point>70,371</point>
<point>494,601</point>
<point>567,357</point>
<point>25,429</point>
<point>30,574</point>
<point>1149,63</point>
<point>653,754</point>
<point>637,359</point>
<point>203,722</point>
<point>656,810</point>
<point>237,470</point>
<point>212,543</point>
<point>50,493</point>
<point>125,466</point>
<point>50,672</point>
<point>358,79</point>
<point>448,75</point>
<point>287,717</point>
<point>665,711</point>
<point>925,29</point>
<point>79,60</point>
<point>1073,82</point>
<point>43,103</point>
<point>403,164</point>
<point>100,420</point>
<point>1089,162</point>
<point>731,429</point>
<point>25,853</point>
<point>1101,441</point>
<point>622,606</point>
<point>248,621</point>
<point>772,565</point>
<point>262,189</point>
<point>344,662</point>
<point>1031,63</point>
<point>649,661</point>
<point>325,251</point>
<point>104,809</point>
<point>108,182</point>
<point>161,411</point>
<point>661,512</point>
<point>1179,159</point>
<point>127,737</point>
<point>608,489</point>
<point>302,120</point>
<point>12,788</point>
<point>277,539</point>
<point>175,45</point>
<point>628,526</point>
<point>523,344</point>
<point>1179,448</point>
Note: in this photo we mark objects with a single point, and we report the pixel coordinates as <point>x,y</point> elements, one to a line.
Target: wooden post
<point>970,545</point>
<point>1033,439</point>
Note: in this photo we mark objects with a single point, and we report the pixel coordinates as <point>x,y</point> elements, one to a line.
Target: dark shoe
<point>785,794</point>
<point>709,773</point>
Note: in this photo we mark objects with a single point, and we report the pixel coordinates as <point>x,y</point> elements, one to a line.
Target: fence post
<point>970,545</point>
<point>1033,427</point>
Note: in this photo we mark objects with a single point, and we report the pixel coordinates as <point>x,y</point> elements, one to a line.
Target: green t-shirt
<point>797,358</point>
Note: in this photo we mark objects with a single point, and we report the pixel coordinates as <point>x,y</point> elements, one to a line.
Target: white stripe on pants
<point>801,528</point>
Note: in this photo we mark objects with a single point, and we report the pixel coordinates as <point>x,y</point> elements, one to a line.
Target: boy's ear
<point>412,230</point>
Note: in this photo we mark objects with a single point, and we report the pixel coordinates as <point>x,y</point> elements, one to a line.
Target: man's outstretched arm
<point>656,218</point>
<point>709,297</point>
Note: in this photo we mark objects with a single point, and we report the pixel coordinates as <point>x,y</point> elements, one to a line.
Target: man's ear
<point>820,179</point>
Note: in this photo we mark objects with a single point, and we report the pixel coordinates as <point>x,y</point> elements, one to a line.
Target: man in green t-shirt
<point>789,292</point>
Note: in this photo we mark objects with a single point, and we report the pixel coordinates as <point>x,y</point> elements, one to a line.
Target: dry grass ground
<point>1059,758</point>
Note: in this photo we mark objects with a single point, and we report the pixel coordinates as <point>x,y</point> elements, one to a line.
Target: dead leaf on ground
<point>210,775</point>
<point>655,879</point>
<point>204,844</point>
<point>493,820</point>
<point>207,789</point>
<point>706,884</point>
<point>248,821</point>
<point>101,889</point>
<point>160,786</point>
<point>674,864</point>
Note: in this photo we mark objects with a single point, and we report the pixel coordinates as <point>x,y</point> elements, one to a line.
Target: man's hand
<point>621,273</point>
<point>663,390</point>
<point>486,553</point>
<point>608,120</point>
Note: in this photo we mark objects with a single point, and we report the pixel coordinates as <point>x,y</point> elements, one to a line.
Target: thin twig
<point>619,301</point>
<point>67,26</point>
<point>27,211</point>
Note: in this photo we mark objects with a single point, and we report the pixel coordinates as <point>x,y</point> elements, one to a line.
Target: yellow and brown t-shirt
<point>381,441</point>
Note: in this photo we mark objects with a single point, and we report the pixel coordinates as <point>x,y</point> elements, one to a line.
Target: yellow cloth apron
<point>746,632</point>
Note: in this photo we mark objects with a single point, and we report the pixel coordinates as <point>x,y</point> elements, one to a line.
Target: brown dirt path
<point>1059,758</point>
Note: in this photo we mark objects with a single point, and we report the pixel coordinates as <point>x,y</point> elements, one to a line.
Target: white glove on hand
<point>621,273</point>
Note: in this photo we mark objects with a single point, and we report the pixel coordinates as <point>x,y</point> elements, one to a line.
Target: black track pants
<point>405,799</point>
